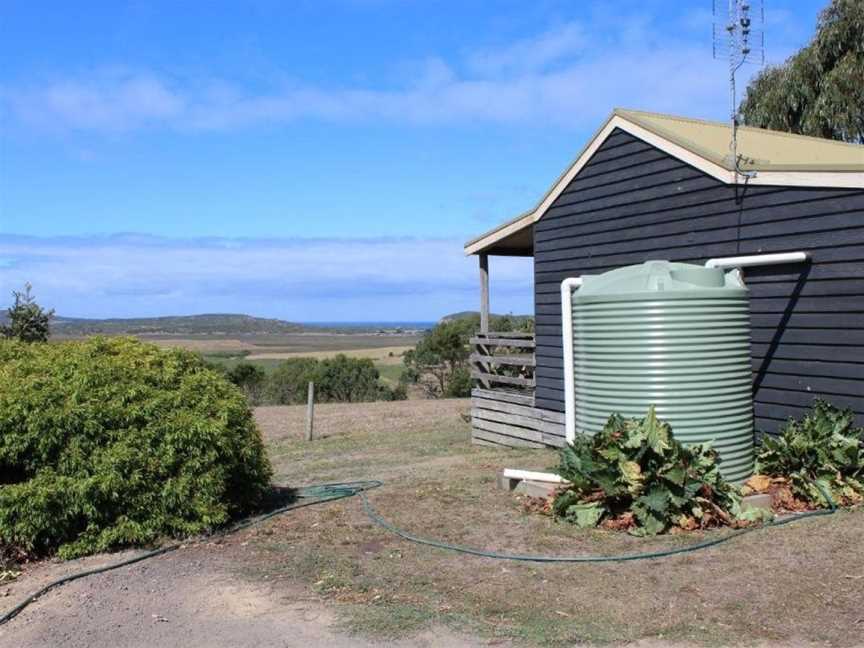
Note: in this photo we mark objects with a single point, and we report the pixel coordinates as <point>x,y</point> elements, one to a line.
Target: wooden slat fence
<point>502,401</point>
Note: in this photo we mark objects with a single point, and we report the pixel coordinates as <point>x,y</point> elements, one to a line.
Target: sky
<point>320,160</point>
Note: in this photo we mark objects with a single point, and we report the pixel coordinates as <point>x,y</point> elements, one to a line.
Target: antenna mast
<point>739,36</point>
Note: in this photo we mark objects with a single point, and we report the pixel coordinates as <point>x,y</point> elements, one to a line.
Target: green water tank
<point>673,335</point>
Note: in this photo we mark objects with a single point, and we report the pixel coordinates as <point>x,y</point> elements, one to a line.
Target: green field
<point>389,371</point>
<point>230,361</point>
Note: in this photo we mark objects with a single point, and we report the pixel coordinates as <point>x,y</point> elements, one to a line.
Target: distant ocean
<point>374,325</point>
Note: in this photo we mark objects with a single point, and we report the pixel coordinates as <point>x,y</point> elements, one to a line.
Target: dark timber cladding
<point>633,202</point>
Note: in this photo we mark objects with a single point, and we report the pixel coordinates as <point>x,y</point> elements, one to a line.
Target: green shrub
<point>825,448</point>
<point>397,393</point>
<point>113,442</point>
<point>459,385</point>
<point>634,475</point>
<point>337,380</point>
<point>439,362</point>
<point>288,383</point>
<point>346,380</point>
<point>250,379</point>
<point>440,358</point>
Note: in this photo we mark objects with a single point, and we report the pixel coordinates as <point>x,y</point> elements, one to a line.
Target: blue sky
<point>319,160</point>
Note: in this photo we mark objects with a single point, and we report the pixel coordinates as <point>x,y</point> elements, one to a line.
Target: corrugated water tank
<point>673,335</point>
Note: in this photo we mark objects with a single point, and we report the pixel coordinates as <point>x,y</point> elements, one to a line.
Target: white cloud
<point>531,54</point>
<point>568,76</point>
<point>104,102</point>
<point>299,279</point>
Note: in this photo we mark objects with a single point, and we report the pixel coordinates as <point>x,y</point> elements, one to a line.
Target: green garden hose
<point>321,493</point>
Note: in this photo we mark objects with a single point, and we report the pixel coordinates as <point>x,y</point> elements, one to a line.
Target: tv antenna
<point>739,36</point>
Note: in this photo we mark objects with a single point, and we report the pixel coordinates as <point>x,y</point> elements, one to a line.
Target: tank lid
<point>659,276</point>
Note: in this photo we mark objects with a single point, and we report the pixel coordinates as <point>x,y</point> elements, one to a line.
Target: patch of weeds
<point>705,634</point>
<point>334,582</point>
<point>10,560</point>
<point>544,629</point>
<point>8,575</point>
<point>327,570</point>
<point>387,620</point>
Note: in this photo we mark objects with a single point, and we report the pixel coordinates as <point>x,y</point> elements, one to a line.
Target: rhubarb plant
<point>635,475</point>
<point>821,454</point>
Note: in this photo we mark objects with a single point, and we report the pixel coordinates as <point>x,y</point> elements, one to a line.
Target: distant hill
<point>181,325</point>
<point>230,325</point>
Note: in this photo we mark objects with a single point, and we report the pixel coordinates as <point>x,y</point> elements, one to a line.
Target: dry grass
<point>305,344</point>
<point>390,355</point>
<point>797,584</point>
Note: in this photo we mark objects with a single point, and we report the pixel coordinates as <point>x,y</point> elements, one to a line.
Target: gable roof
<point>777,158</point>
<point>763,150</point>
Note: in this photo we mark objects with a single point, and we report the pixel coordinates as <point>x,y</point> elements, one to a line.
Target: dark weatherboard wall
<point>632,203</point>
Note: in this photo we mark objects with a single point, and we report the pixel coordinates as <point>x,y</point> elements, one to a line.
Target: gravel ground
<point>186,598</point>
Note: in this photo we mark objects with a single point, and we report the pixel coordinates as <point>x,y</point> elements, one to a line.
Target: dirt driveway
<point>190,598</point>
<point>325,576</point>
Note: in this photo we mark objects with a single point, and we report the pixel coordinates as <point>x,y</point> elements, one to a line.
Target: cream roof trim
<point>644,127</point>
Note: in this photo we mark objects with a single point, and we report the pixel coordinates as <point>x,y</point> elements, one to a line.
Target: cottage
<point>650,186</point>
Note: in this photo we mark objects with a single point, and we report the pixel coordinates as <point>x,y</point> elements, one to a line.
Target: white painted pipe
<point>757,260</point>
<point>567,287</point>
<point>530,475</point>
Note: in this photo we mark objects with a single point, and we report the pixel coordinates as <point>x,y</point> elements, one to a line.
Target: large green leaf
<point>656,432</point>
<point>675,473</point>
<point>657,500</point>
<point>651,521</point>
<point>585,515</point>
<point>631,474</point>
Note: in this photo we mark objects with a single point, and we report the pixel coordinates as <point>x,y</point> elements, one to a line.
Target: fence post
<point>310,410</point>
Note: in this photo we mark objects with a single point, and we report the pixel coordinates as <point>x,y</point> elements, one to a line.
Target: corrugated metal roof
<point>764,150</point>
<point>781,159</point>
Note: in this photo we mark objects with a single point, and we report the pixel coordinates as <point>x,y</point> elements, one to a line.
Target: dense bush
<point>634,475</point>
<point>339,379</point>
<point>825,448</point>
<point>287,385</point>
<point>113,442</point>
<point>347,380</point>
<point>439,362</point>
<point>458,383</point>
<point>250,379</point>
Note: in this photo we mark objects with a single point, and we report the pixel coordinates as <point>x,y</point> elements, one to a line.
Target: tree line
<point>337,380</point>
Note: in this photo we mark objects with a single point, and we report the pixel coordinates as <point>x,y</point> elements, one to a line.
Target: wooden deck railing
<point>503,359</point>
<point>502,400</point>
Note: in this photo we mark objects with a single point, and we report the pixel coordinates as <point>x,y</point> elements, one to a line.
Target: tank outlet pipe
<point>567,288</point>
<point>757,260</point>
<point>531,475</point>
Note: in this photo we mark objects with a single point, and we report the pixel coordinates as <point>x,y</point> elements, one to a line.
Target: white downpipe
<point>757,260</point>
<point>567,287</point>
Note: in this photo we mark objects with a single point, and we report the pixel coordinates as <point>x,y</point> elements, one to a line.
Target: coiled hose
<point>321,493</point>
